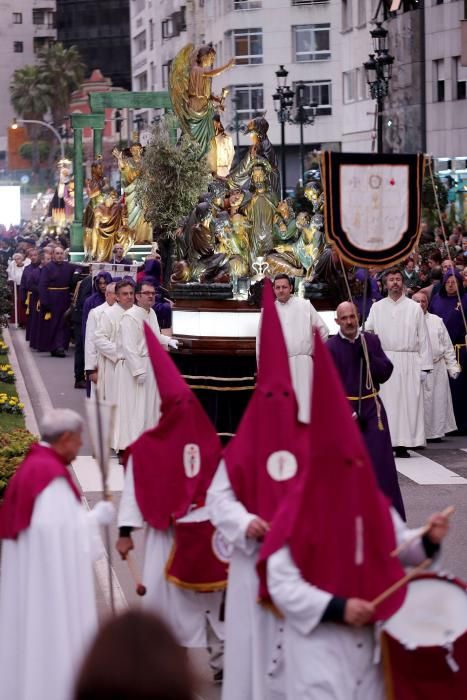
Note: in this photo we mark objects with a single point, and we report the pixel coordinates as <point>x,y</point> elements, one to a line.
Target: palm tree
<point>63,69</point>
<point>30,98</point>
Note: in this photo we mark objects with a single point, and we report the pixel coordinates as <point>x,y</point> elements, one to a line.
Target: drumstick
<point>140,588</point>
<point>422,531</point>
<point>401,582</point>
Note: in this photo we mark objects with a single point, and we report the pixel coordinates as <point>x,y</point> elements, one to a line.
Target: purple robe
<point>30,297</point>
<point>96,298</point>
<point>373,293</point>
<point>448,308</point>
<point>347,357</point>
<point>163,309</point>
<point>55,299</point>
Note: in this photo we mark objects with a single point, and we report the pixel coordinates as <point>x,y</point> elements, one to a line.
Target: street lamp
<point>378,70</point>
<point>303,114</point>
<point>17,122</point>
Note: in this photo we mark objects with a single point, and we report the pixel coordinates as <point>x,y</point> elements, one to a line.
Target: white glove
<point>454,373</point>
<point>141,378</point>
<point>173,343</point>
<point>104,512</point>
<point>423,377</point>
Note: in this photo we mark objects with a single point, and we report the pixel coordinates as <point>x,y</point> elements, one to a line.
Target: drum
<point>424,644</point>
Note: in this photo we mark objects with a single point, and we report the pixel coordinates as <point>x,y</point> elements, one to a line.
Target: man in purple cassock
<point>346,349</point>
<point>30,291</point>
<point>54,295</point>
<point>447,304</point>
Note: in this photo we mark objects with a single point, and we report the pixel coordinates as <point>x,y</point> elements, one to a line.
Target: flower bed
<point>6,374</point>
<point>11,404</point>
<point>13,447</point>
<point>3,348</point>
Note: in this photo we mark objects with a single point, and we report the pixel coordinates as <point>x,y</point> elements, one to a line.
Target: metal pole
<point>380,107</point>
<point>283,177</point>
<point>302,150</point>
<point>237,138</point>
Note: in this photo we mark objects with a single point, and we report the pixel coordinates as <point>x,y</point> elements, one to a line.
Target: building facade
<point>302,35</point>
<point>100,30</point>
<point>26,27</point>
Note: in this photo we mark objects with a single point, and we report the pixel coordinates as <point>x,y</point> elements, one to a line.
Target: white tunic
<point>253,660</point>
<point>105,341</point>
<point>91,354</point>
<point>327,661</point>
<point>47,599</point>
<point>401,328</point>
<point>298,317</point>
<point>186,612</point>
<point>439,413</point>
<point>138,405</point>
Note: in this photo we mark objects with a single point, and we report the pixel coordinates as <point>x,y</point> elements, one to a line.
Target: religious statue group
<point>241,219</point>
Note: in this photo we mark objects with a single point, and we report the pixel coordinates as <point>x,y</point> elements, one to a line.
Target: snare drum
<point>424,644</point>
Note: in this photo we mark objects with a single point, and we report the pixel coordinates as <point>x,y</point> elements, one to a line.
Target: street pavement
<point>432,479</point>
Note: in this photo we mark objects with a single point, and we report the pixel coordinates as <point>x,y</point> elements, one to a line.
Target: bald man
<point>350,359</point>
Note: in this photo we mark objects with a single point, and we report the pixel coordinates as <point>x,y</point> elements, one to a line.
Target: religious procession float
<point>221,227</point>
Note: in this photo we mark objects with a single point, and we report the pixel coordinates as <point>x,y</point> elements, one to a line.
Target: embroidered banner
<point>373,205</point>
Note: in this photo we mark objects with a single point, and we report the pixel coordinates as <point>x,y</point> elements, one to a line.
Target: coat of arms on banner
<point>373,205</point>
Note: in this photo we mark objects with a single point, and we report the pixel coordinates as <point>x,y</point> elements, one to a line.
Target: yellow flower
<point>21,405</point>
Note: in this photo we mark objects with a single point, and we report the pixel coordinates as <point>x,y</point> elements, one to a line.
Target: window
<point>361,8</point>
<point>247,4</point>
<point>39,43</point>
<point>248,100</point>
<point>312,42</point>
<point>319,92</point>
<point>248,46</point>
<point>165,74</point>
<point>18,46</point>
<point>438,79</point>
<point>347,20</point>
<point>459,79</point>
<point>38,16</point>
<point>139,43</point>
<point>349,81</point>
<point>17,18</point>
<point>141,81</point>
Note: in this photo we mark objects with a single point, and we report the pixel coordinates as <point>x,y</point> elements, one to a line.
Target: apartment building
<point>426,109</point>
<point>302,35</point>
<point>100,30</point>
<point>27,26</point>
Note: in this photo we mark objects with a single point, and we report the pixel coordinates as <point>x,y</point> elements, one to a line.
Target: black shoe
<point>80,384</point>
<point>218,676</point>
<point>401,452</point>
<point>58,353</point>
<point>434,440</point>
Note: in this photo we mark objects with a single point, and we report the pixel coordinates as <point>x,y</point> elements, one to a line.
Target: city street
<point>432,479</point>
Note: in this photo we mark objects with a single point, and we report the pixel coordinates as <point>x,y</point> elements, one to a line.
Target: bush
<point>13,447</point>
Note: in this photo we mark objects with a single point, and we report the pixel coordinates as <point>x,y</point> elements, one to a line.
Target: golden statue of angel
<point>194,104</point>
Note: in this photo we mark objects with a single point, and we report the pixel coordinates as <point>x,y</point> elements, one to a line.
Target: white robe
<point>90,351</point>
<point>253,661</point>
<point>186,612</point>
<point>105,341</point>
<point>402,331</point>
<point>327,661</point>
<point>138,405</point>
<point>47,598</point>
<point>439,412</point>
<point>297,317</point>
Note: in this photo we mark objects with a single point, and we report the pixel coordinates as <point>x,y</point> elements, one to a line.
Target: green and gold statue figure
<point>194,104</point>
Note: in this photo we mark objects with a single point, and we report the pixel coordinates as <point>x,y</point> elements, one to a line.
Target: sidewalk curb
<point>29,415</point>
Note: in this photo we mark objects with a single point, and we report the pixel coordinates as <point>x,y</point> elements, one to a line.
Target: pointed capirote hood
<point>336,522</point>
<point>174,462</point>
<point>265,456</point>
<point>170,382</point>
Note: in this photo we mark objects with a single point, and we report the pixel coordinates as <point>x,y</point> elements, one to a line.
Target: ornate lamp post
<point>378,70</point>
<point>303,114</point>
